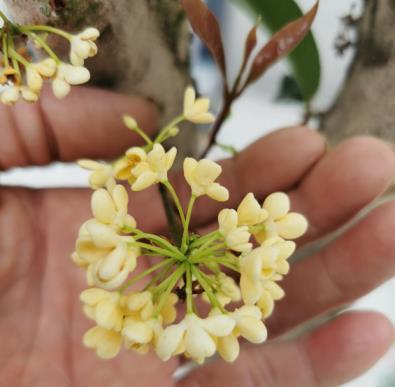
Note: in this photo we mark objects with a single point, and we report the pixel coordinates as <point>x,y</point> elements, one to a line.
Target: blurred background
<point>275,101</point>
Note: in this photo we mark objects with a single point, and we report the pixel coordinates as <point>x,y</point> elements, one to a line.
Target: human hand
<point>41,324</point>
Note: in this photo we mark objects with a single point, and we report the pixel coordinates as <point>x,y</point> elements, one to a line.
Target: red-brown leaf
<point>250,43</point>
<point>206,26</point>
<point>281,44</point>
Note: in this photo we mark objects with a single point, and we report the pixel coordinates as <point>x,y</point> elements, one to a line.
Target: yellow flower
<point>281,222</point>
<point>201,176</point>
<point>106,343</point>
<point>101,176</point>
<point>11,95</point>
<point>236,238</point>
<point>139,334</point>
<point>271,292</point>
<point>108,257</point>
<point>83,46</point>
<point>111,207</point>
<point>258,265</point>
<point>67,75</point>
<point>103,307</point>
<point>248,324</point>
<point>36,71</point>
<point>154,169</point>
<point>227,291</point>
<point>193,335</point>
<point>196,110</point>
<point>250,212</point>
<point>124,166</point>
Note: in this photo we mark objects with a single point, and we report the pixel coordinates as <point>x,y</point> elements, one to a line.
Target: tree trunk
<point>367,103</point>
<point>143,48</point>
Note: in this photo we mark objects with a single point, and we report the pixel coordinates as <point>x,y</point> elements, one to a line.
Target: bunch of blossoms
<point>21,76</point>
<point>200,293</point>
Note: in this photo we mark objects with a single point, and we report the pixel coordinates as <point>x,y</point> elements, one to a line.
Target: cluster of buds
<point>21,76</point>
<point>151,292</point>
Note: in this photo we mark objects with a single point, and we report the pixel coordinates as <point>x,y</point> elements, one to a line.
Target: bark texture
<point>367,103</point>
<point>143,47</point>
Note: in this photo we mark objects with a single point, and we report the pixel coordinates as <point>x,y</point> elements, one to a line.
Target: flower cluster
<point>150,291</point>
<point>22,77</point>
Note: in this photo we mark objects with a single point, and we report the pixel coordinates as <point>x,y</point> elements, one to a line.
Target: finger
<point>88,123</point>
<point>356,263</point>
<point>334,354</point>
<point>343,182</point>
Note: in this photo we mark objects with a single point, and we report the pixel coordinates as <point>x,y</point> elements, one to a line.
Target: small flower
<point>248,324</point>
<point>106,343</point>
<point>201,176</point>
<point>101,176</point>
<point>281,222</point>
<point>154,169</point>
<point>250,212</point>
<point>193,335</point>
<point>111,207</point>
<point>83,46</point>
<point>196,110</point>
<point>67,75</point>
<point>36,71</point>
<point>140,335</point>
<point>108,257</point>
<point>103,307</point>
<point>271,292</point>
<point>124,166</point>
<point>227,290</point>
<point>11,95</point>
<point>236,238</point>
<point>258,265</point>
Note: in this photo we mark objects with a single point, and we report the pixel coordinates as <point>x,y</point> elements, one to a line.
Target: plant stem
<point>44,45</point>
<point>172,281</point>
<point>140,276</point>
<point>186,224</point>
<point>52,30</point>
<point>176,200</point>
<point>157,239</point>
<point>188,289</point>
<point>172,221</point>
<point>166,253</point>
<point>5,51</point>
<point>207,288</point>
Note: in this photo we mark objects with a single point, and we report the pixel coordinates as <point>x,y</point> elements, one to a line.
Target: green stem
<point>186,224</point>
<point>44,45</point>
<point>171,124</point>
<point>174,195</point>
<point>160,275</point>
<point>18,57</point>
<point>188,289</point>
<point>159,250</point>
<point>204,253</point>
<point>49,29</point>
<point>5,51</point>
<point>172,281</point>
<point>158,240</point>
<point>172,220</point>
<point>202,240</point>
<point>140,276</point>
<point>207,288</point>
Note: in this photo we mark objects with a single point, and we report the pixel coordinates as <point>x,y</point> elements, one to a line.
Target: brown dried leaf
<point>206,26</point>
<point>281,44</point>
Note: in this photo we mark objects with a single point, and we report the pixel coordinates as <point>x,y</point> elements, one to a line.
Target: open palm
<point>41,323</point>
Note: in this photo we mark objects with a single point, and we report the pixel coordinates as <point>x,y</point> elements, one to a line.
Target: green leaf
<point>305,59</point>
